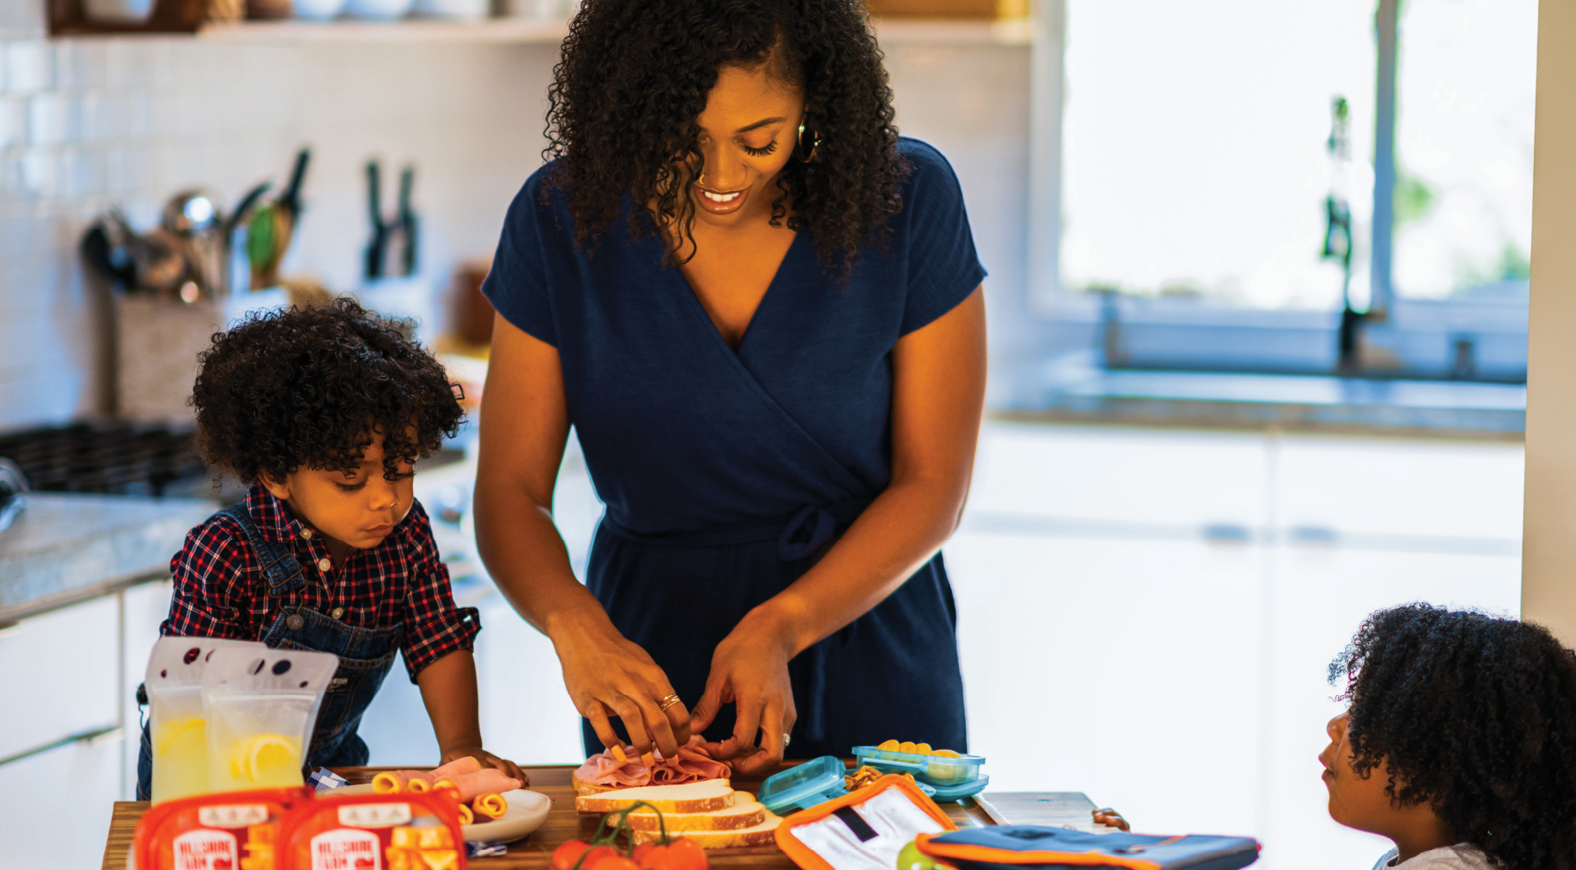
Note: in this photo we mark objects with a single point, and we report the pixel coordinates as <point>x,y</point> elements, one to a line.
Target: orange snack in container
<point>420,831</point>
<point>236,829</point>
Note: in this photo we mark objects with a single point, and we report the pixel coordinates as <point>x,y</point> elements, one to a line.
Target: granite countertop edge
<point>64,548</point>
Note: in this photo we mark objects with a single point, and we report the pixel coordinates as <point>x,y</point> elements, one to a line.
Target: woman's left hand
<point>750,670</point>
<point>487,759</point>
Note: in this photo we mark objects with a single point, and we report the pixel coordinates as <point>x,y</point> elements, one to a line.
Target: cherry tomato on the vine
<point>613,861</point>
<point>565,856</point>
<point>678,854</point>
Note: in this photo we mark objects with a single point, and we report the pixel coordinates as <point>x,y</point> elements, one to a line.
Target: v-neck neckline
<point>750,328</point>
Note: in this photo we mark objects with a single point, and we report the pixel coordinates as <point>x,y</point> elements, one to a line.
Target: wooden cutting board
<point>563,823</point>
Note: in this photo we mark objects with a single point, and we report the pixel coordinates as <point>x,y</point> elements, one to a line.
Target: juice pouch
<point>176,723</point>
<point>215,832</point>
<point>261,706</point>
<point>374,832</point>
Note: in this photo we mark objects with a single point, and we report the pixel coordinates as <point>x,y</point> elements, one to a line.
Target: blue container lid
<point>800,788</point>
<point>955,793</point>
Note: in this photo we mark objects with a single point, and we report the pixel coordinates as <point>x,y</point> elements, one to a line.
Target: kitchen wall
<point>87,123</point>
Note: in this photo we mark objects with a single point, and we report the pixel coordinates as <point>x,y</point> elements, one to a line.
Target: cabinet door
<point>55,806</point>
<point>146,606</point>
<point>58,675</point>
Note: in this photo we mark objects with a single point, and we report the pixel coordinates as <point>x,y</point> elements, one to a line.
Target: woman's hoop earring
<point>815,142</point>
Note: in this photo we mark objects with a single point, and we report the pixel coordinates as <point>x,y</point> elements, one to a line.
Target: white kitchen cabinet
<point>59,675</point>
<point>1071,478</point>
<point>146,606</point>
<point>1453,492</point>
<point>55,806</point>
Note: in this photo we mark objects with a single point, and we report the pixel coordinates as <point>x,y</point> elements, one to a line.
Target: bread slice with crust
<point>583,787</point>
<point>763,834</point>
<point>708,795</point>
<point>746,812</point>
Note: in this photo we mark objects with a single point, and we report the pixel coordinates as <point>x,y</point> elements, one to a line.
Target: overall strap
<point>281,571</point>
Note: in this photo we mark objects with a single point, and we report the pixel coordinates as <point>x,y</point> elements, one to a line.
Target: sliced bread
<point>746,812</point>
<point>583,787</point>
<point>705,796</point>
<point>763,834</point>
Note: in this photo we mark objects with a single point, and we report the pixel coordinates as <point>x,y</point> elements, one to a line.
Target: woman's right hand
<point>607,675</point>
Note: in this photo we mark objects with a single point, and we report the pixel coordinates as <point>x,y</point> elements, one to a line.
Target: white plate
<point>527,811</point>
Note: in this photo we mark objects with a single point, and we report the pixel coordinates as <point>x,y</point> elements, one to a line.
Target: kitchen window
<point>1215,155</point>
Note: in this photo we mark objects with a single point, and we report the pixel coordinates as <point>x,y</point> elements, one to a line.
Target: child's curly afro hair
<point>309,386</point>
<point>1475,715</point>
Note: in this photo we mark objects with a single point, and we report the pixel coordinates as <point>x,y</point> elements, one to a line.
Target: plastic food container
<point>799,788</point>
<point>953,778</point>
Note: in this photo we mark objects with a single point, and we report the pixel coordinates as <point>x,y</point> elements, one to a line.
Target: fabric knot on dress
<point>809,530</point>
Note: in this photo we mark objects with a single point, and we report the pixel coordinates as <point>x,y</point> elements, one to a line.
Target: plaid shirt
<point>219,588</point>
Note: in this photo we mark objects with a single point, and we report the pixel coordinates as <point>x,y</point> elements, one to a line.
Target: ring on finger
<point>786,739</point>
<point>665,703</point>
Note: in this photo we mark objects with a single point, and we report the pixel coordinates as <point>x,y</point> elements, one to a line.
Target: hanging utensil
<point>407,219</point>
<point>373,268</point>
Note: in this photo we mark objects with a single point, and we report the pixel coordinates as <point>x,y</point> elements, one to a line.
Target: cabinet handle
<point>92,736</point>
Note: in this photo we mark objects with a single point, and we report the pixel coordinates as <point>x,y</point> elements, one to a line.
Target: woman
<point>760,309</point>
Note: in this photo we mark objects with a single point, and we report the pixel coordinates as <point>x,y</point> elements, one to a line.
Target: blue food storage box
<point>800,788</point>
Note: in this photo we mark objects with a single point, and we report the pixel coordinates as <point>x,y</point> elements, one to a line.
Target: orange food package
<point>237,829</point>
<point>373,832</point>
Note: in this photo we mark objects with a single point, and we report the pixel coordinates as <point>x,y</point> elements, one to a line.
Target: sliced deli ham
<point>603,770</point>
<point>472,783</point>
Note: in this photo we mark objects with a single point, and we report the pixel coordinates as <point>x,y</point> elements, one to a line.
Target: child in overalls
<point>324,410</point>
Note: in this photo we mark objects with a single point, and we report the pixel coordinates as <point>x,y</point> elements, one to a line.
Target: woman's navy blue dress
<point>725,471</point>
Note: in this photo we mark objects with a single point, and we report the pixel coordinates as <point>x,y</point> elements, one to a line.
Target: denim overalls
<point>365,657</point>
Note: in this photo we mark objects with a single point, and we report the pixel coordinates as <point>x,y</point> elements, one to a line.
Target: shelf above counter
<point>526,31</point>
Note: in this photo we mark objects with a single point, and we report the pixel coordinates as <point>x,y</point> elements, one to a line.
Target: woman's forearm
<point>527,559</point>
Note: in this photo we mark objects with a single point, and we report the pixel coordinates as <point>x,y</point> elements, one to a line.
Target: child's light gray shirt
<point>1461,856</point>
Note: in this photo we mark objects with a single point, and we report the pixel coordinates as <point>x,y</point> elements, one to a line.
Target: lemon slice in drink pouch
<point>181,734</point>
<point>272,760</point>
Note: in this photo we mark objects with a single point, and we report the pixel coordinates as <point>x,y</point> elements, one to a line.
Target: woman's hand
<point>487,759</point>
<point>607,675</point>
<point>750,670</point>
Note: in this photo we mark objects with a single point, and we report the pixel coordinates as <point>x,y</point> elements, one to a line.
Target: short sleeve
<point>943,267</point>
<point>518,284</point>
<point>205,573</point>
<point>434,626</point>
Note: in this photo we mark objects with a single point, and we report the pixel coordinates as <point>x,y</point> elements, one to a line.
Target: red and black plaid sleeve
<point>434,626</point>
<point>209,598</point>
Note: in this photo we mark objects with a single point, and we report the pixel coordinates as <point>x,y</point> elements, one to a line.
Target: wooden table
<point>563,823</point>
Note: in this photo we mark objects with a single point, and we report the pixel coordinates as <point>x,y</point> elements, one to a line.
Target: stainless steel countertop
<point>66,548</point>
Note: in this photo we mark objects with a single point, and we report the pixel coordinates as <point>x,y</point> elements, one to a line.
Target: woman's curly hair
<point>635,75</point>
<point>1476,716</point>
<point>309,386</point>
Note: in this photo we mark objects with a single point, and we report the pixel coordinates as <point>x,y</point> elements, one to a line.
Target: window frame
<point>1454,339</point>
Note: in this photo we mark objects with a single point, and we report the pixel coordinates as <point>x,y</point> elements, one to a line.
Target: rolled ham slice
<point>466,775</point>
<point>488,780</point>
<point>691,765</point>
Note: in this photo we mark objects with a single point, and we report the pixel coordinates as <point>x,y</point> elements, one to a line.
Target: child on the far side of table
<point>324,411</point>
<point>1459,744</point>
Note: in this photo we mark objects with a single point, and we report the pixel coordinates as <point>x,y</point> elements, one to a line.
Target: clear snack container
<point>177,725</point>
<point>261,710</point>
<point>952,778</point>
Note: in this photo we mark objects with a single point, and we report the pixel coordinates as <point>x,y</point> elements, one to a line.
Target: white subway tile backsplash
<point>29,66</point>
<point>53,119</point>
<point>13,122</point>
